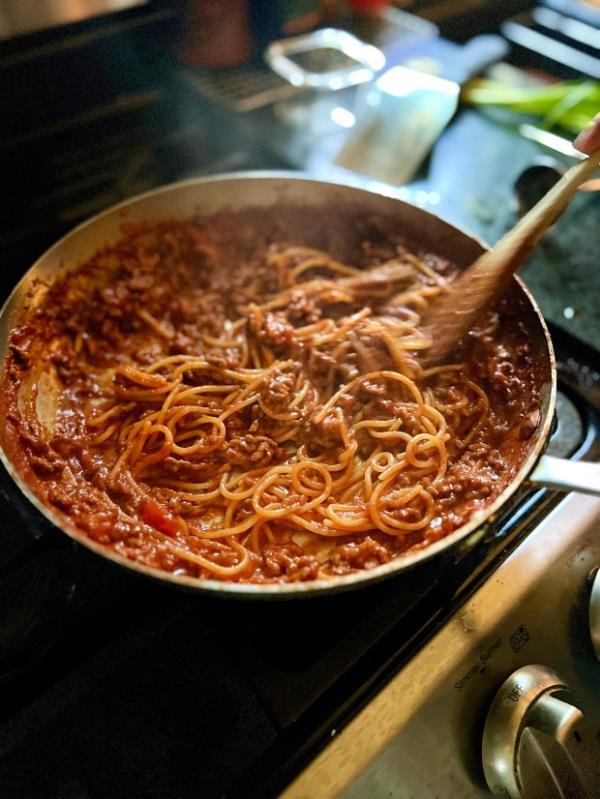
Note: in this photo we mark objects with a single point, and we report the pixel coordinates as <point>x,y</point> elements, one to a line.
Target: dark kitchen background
<point>111,686</point>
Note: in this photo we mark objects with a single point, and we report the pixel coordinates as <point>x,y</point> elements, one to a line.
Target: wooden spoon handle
<point>511,250</point>
<point>455,312</point>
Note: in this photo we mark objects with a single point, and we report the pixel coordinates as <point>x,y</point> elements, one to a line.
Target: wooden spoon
<point>455,311</point>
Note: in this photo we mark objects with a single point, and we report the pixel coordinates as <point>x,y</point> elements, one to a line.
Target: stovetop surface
<point>113,684</point>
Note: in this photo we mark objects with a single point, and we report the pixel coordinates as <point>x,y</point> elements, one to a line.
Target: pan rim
<point>337,584</point>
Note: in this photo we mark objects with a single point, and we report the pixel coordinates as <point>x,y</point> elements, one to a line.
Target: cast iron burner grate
<point>568,435</point>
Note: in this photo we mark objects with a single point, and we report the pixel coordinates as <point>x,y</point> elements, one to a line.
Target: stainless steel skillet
<point>312,213</point>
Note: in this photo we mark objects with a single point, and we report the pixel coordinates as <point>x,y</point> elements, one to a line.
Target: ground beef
<point>289,561</point>
<point>326,432</point>
<point>364,555</point>
<point>277,393</point>
<point>250,451</point>
<point>321,365</point>
<point>302,310</point>
<point>276,332</point>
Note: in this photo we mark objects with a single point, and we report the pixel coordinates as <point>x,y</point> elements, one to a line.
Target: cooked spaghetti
<point>253,410</point>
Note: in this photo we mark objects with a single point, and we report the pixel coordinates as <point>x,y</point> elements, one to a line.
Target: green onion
<point>569,105</point>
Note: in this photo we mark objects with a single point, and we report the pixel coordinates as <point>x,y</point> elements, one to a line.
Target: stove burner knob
<point>594,613</point>
<point>536,742</point>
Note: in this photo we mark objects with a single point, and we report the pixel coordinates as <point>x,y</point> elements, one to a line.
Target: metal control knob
<point>536,743</point>
<point>594,613</point>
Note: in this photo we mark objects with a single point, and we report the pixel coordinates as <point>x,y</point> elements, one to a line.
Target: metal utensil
<point>453,315</point>
<point>407,109</point>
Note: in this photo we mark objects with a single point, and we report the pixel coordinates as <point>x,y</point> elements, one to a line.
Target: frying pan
<point>311,213</point>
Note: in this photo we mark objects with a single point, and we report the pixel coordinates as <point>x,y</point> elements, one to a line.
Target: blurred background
<point>466,108</point>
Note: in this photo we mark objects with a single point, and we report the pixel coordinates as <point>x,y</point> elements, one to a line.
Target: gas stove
<point>113,685</point>
<point>126,685</point>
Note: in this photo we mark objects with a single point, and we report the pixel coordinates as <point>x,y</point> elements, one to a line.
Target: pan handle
<point>565,475</point>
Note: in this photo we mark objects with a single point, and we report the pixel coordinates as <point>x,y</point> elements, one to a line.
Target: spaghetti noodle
<point>268,419</point>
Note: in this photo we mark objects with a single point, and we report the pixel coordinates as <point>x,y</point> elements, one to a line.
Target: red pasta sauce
<point>231,405</point>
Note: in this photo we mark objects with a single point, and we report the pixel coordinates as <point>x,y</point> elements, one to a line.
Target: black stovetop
<point>113,685</point>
